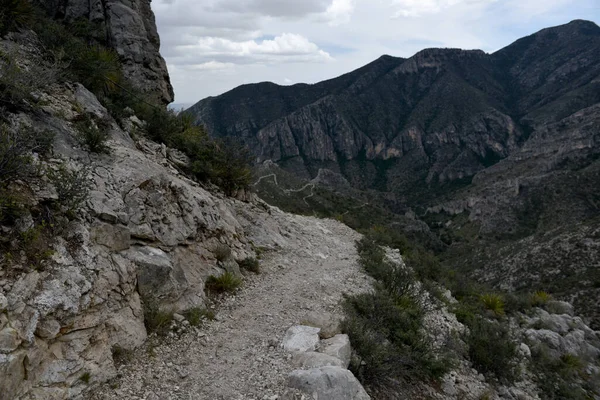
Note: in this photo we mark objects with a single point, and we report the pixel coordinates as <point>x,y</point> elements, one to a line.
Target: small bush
<point>222,252</point>
<point>94,137</point>
<point>16,147</point>
<point>11,207</point>
<point>36,244</point>
<point>227,282</point>
<point>493,303</point>
<point>491,349</point>
<point>515,302</point>
<point>156,319</point>
<point>121,355</point>
<point>72,186</point>
<point>196,315</point>
<point>540,298</point>
<point>250,264</point>
<point>85,377</point>
<point>386,334</point>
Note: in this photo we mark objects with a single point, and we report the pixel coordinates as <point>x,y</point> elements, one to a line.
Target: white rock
<point>331,383</point>
<point>338,347</point>
<point>301,338</point>
<point>311,359</point>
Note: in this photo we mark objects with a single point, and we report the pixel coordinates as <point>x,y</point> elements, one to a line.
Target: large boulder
<point>329,323</point>
<point>331,383</point>
<point>338,347</point>
<point>312,359</point>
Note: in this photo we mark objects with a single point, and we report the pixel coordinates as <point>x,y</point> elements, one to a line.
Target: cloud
<point>339,12</point>
<point>417,8</point>
<point>273,8</point>
<point>287,47</point>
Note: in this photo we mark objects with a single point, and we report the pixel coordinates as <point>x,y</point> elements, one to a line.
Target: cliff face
<point>131,31</point>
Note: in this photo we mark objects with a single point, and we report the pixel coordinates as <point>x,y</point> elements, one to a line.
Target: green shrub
<point>156,319</point>
<point>540,298</point>
<point>121,355</point>
<point>15,14</point>
<point>426,265</point>
<point>515,302</point>
<point>196,315</point>
<point>85,377</point>
<point>16,147</point>
<point>250,264</point>
<point>386,334</point>
<point>227,282</point>
<point>385,326</point>
<point>493,303</point>
<point>36,244</point>
<point>93,65</point>
<point>491,349</point>
<point>72,186</point>
<point>94,136</point>
<point>11,207</point>
<point>563,377</point>
<point>222,252</point>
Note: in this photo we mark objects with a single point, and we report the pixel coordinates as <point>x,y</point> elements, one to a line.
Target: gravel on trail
<point>238,355</point>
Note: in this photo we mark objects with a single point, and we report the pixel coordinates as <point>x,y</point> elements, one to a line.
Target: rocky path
<point>238,356</point>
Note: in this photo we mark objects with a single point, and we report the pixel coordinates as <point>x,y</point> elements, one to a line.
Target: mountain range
<point>497,153</point>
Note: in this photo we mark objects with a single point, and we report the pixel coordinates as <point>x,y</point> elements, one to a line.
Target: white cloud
<point>339,12</point>
<point>417,8</point>
<point>212,66</point>
<point>287,47</point>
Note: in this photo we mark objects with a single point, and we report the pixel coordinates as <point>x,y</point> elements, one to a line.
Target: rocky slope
<point>492,151</point>
<point>130,29</point>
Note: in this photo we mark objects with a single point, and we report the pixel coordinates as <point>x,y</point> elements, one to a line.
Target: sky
<point>213,46</point>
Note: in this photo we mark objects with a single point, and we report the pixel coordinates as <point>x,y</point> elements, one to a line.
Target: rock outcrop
<point>130,29</point>
<point>146,233</point>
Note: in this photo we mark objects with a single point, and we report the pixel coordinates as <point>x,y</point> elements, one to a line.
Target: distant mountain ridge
<point>498,153</point>
<point>443,114</point>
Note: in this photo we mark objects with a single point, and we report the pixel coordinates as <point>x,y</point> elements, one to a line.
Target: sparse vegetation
<point>72,186</point>
<point>156,319</point>
<point>227,282</point>
<point>491,348</point>
<point>197,315</point>
<point>85,377</point>
<point>14,14</point>
<point>540,298</point>
<point>222,252</point>
<point>250,264</point>
<point>16,148</point>
<point>493,303</point>
<point>93,135</point>
<point>121,355</point>
<point>385,326</point>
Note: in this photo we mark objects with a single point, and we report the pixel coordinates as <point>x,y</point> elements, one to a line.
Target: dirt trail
<point>238,355</point>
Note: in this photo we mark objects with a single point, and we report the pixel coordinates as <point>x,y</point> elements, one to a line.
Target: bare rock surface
<point>332,383</point>
<point>301,338</point>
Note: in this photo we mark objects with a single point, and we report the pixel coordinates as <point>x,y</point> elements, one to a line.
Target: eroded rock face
<point>145,232</point>
<point>131,30</point>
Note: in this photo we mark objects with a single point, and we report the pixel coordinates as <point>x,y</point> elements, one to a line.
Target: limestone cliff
<point>130,29</point>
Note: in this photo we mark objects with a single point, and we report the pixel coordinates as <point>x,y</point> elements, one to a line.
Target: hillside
<point>502,146</point>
